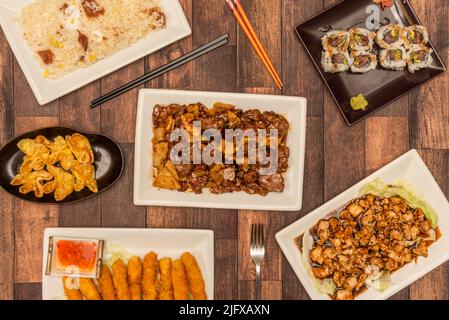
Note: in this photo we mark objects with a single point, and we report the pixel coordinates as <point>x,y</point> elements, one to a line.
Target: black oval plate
<point>109,164</point>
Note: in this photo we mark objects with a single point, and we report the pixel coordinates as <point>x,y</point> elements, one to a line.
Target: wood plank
<point>28,291</point>
<point>26,124</point>
<point>312,198</point>
<point>270,290</point>
<point>118,210</point>
<point>435,285</point>
<point>265,15</point>
<point>223,222</point>
<point>428,105</point>
<point>225,269</point>
<point>398,108</point>
<point>118,115</point>
<point>7,207</point>
<point>169,217</point>
<point>386,139</point>
<point>300,75</point>
<point>271,268</point>
<point>30,222</point>
<point>25,103</point>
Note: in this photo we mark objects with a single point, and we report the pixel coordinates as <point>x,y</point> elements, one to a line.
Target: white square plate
<point>293,108</point>
<point>411,167</point>
<point>47,90</point>
<point>165,242</point>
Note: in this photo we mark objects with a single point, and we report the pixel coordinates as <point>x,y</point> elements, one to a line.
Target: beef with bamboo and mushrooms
<point>221,177</point>
<point>370,235</point>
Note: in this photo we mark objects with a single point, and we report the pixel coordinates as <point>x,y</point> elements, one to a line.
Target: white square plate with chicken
<point>165,242</point>
<point>410,168</point>
<point>96,44</point>
<point>293,109</point>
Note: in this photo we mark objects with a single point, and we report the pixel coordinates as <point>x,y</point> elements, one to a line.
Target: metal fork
<point>257,251</point>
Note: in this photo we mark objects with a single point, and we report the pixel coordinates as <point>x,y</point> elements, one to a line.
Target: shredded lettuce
<point>379,281</point>
<point>113,252</point>
<point>406,191</point>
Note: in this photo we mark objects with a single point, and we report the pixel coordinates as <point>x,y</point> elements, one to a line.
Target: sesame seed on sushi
<point>335,41</point>
<point>361,39</point>
<point>419,58</point>
<point>393,59</point>
<point>335,62</point>
<point>363,61</point>
<point>391,36</point>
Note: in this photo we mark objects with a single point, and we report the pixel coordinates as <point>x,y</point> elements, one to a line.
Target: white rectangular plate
<point>165,242</point>
<point>411,167</point>
<point>293,108</point>
<point>47,90</point>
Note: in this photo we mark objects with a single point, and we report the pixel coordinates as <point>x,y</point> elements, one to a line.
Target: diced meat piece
<point>316,255</point>
<point>355,210</point>
<point>159,20</point>
<point>47,56</point>
<point>350,283</point>
<point>343,295</point>
<point>425,226</point>
<point>323,229</point>
<point>321,273</point>
<point>83,40</point>
<point>421,249</point>
<point>278,122</point>
<point>92,8</point>
<point>274,183</point>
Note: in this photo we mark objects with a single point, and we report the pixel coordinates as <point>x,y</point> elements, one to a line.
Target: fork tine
<point>253,235</point>
<point>259,236</point>
<point>262,233</point>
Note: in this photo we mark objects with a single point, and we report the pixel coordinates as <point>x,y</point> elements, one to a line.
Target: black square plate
<point>380,86</point>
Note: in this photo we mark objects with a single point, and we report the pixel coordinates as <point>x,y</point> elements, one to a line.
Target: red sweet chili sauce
<point>82,254</point>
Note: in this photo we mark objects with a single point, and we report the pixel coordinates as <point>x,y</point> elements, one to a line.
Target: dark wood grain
<point>337,156</point>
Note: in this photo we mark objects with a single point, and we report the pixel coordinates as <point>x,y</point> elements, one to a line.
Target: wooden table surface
<point>419,120</point>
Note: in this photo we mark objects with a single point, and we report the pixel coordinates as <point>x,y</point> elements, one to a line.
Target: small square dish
<point>125,243</point>
<point>379,86</point>
<point>293,109</point>
<point>411,168</point>
<point>46,89</point>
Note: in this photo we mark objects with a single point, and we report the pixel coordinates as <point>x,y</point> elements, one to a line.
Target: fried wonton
<point>84,177</point>
<point>32,182</point>
<point>80,146</point>
<point>61,152</point>
<point>62,185</point>
<point>36,155</point>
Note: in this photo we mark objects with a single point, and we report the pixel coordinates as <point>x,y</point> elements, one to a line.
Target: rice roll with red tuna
<point>391,36</point>
<point>415,36</point>
<point>335,41</point>
<point>419,58</point>
<point>335,62</point>
<point>361,39</point>
<point>363,61</point>
<point>393,59</point>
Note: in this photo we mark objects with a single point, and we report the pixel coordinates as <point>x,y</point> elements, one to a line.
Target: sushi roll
<point>363,61</point>
<point>335,41</point>
<point>419,58</point>
<point>415,36</point>
<point>361,39</point>
<point>393,59</point>
<point>391,36</point>
<point>335,62</point>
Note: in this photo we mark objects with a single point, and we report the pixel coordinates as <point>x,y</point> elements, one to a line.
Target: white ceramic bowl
<point>47,90</point>
<point>293,108</point>
<point>411,167</point>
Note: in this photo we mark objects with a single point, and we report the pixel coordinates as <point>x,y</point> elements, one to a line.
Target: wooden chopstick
<point>245,24</point>
<point>208,47</point>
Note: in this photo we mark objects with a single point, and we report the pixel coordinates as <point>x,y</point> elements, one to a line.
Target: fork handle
<point>257,281</point>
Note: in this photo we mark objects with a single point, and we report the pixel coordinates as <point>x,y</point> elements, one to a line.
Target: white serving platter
<point>412,168</point>
<point>47,90</point>
<point>293,108</point>
<point>165,242</point>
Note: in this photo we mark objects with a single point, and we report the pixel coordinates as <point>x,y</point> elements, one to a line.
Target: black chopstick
<point>208,47</point>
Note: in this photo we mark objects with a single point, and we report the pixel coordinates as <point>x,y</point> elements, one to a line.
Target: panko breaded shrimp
<point>194,276</point>
<point>70,289</point>
<point>166,288</point>
<point>179,280</point>
<point>135,270</point>
<point>107,289</point>
<point>150,282</point>
<point>89,289</point>
<point>120,279</point>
